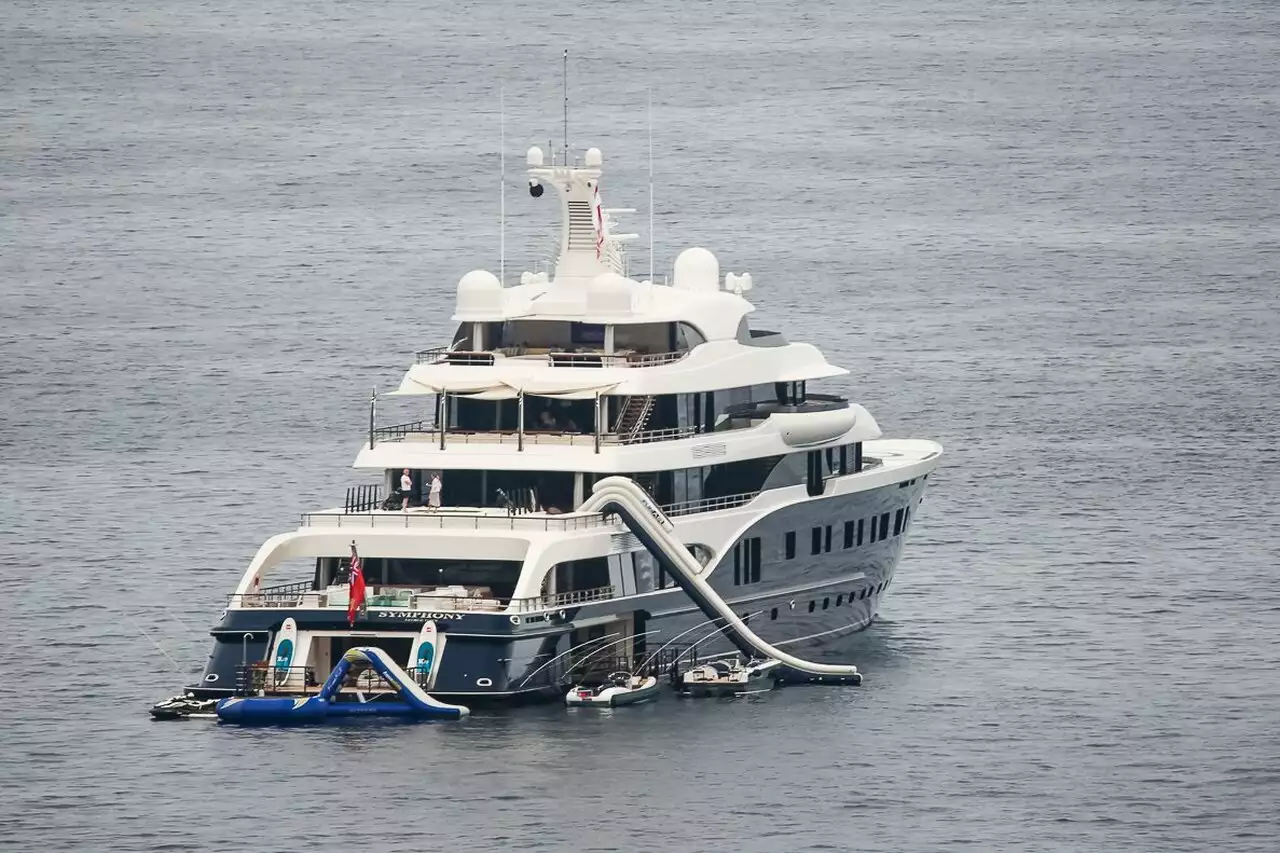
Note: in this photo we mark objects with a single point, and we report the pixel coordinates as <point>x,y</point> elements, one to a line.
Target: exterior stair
<point>632,417</point>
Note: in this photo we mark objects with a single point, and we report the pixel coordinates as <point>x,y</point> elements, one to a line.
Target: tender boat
<point>727,678</point>
<point>618,688</point>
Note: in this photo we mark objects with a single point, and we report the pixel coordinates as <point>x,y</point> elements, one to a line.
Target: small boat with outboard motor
<point>618,688</point>
<point>727,678</point>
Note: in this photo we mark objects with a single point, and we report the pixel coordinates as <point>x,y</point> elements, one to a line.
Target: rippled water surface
<point>1044,234</point>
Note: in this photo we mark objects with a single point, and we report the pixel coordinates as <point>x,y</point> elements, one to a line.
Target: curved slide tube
<point>651,527</point>
<point>414,701</point>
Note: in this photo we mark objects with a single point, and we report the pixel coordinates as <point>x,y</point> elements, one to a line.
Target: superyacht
<point>597,462</point>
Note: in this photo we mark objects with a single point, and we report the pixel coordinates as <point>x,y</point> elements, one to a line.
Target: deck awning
<point>505,383</point>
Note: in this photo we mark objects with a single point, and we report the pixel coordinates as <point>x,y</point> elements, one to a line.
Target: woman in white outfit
<point>433,494</point>
<point>406,489</point>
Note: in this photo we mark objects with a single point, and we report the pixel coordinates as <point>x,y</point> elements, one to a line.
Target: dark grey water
<point>1045,234</point>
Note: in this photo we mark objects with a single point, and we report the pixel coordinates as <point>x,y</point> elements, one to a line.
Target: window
<point>826,602</point>
<point>848,534</point>
<point>859,532</point>
<point>814,473</point>
<point>791,545</point>
<point>827,546</point>
<point>906,517</point>
<point>773,614</point>
<point>897,523</point>
<point>873,531</point>
<point>839,599</point>
<point>811,606</point>
<point>817,540</point>
<point>865,589</point>
<point>746,561</point>
<point>884,526</point>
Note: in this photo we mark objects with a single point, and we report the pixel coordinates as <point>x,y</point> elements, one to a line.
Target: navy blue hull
<point>819,578</point>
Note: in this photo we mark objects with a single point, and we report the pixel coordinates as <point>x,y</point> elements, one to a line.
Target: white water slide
<point>652,527</point>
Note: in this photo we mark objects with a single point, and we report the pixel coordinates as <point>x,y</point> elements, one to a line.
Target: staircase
<point>582,227</point>
<point>632,417</point>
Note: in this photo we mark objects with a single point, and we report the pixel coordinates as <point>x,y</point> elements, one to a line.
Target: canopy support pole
<point>520,421</point>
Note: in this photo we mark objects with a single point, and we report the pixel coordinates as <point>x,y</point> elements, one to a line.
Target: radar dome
<point>479,292</point>
<point>592,159</point>
<point>697,269</point>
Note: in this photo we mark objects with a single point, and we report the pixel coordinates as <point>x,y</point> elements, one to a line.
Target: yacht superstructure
<point>598,462</point>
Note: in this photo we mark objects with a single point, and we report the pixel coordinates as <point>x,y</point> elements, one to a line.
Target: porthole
<point>826,602</point>
<point>515,620</point>
<point>484,682</point>
<point>839,600</point>
<point>773,614</point>
<point>863,595</point>
<point>211,677</point>
<point>812,606</point>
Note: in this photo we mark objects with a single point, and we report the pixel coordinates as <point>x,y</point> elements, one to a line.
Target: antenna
<point>502,156</point>
<point>650,93</point>
<point>566,106</point>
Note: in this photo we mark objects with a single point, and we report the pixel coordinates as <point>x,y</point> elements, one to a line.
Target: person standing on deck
<point>406,489</point>
<point>433,493</point>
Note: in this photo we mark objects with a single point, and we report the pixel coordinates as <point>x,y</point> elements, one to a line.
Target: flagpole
<point>650,111</point>
<point>502,146</point>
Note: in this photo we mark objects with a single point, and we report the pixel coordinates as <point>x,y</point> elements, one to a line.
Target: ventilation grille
<point>708,451</point>
<point>623,543</point>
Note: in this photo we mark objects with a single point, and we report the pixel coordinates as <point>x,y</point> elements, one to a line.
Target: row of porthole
<point>826,601</point>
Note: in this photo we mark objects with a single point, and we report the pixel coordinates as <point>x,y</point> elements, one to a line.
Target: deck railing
<point>427,600</point>
<point>554,358</point>
<point>709,504</point>
<point>363,498</point>
<point>449,520</point>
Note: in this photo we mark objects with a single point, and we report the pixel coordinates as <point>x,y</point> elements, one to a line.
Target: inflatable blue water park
<point>412,701</point>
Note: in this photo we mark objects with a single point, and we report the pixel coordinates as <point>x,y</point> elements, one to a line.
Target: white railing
<point>446,519</point>
<point>709,504</point>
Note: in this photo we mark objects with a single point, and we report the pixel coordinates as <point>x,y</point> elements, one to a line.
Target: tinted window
<point>791,545</point>
<point>848,534</point>
<point>897,522</point>
<point>884,526</point>
<point>817,540</point>
<point>827,540</point>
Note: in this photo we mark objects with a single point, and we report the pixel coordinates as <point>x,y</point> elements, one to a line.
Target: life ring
<point>515,620</point>
<point>211,677</point>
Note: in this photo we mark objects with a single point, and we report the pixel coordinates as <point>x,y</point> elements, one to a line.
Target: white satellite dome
<point>479,292</point>
<point>697,269</point>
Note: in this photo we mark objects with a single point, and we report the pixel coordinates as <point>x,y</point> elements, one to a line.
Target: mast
<point>566,105</point>
<point>650,111</point>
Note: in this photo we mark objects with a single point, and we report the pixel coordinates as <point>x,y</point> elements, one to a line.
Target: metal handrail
<point>451,603</point>
<point>709,504</point>
<point>451,520</point>
<point>396,432</point>
<point>555,358</point>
